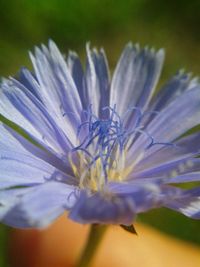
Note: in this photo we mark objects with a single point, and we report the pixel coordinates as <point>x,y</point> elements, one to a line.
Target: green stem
<point>94,238</point>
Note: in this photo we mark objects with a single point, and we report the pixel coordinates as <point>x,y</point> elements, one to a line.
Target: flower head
<point>102,149</point>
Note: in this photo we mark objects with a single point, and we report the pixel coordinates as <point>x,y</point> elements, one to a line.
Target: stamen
<point>102,150</point>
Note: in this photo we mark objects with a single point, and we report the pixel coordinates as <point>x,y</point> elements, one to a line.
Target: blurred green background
<point>174,25</point>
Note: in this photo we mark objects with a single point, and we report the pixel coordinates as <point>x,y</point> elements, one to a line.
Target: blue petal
<point>97,80</point>
<point>22,163</point>
<point>173,89</point>
<point>171,169</point>
<point>145,194</point>
<point>120,203</point>
<point>57,88</point>
<point>9,199</point>
<point>41,205</point>
<point>173,121</point>
<point>185,178</point>
<point>12,141</point>
<point>19,169</point>
<point>76,71</point>
<point>19,105</point>
<point>185,148</point>
<point>135,77</point>
<point>99,209</point>
<point>29,81</point>
<point>171,161</point>
<point>188,203</point>
<point>178,117</point>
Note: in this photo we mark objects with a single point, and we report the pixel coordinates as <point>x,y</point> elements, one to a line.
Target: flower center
<point>101,152</point>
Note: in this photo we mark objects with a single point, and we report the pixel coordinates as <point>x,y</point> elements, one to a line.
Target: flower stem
<point>94,238</point>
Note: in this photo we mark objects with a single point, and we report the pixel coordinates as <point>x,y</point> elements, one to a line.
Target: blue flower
<point>102,149</point>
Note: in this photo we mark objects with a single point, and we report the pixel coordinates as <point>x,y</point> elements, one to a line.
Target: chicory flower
<point>104,149</point>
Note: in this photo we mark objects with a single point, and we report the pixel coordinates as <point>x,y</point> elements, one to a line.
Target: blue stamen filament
<point>102,152</point>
